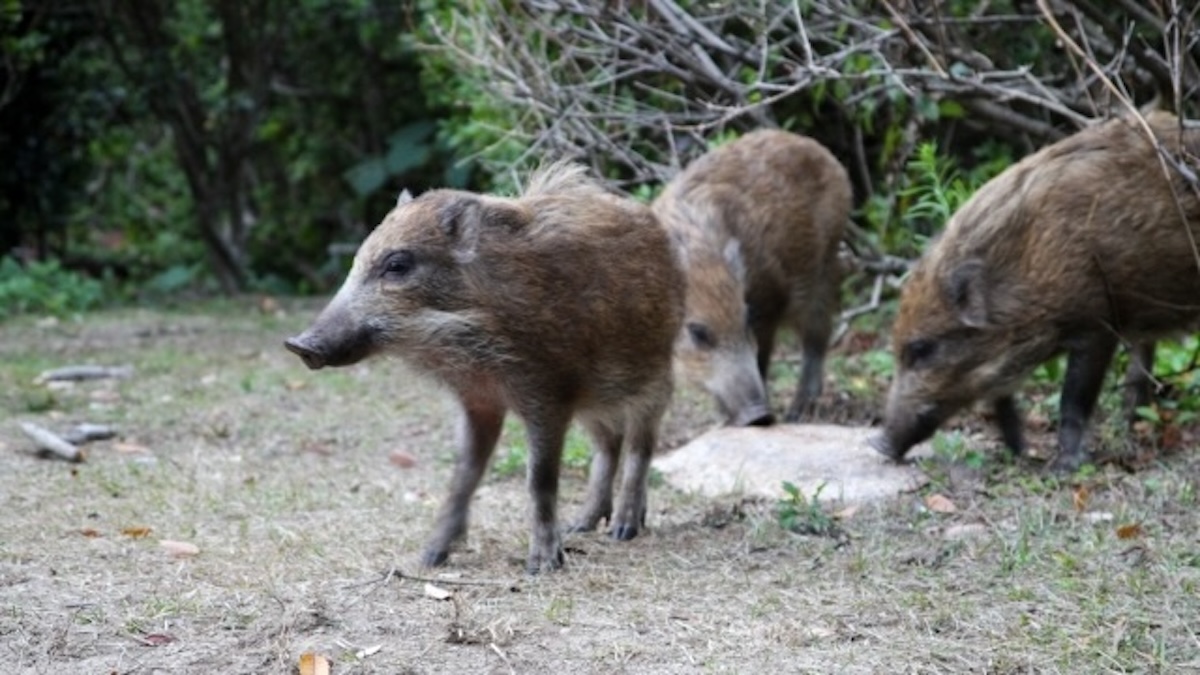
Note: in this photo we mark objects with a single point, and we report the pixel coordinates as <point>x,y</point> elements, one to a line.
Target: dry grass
<point>306,532</point>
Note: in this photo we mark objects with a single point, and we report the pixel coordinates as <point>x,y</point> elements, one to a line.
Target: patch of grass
<point>798,513</point>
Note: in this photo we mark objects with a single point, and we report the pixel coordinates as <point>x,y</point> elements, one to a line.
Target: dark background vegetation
<point>218,146</point>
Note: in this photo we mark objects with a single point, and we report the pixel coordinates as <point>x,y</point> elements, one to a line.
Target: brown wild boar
<point>1090,242</point>
<point>562,303</point>
<point>757,222</point>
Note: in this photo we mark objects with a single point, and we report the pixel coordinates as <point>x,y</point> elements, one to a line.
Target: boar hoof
<point>434,557</point>
<point>1065,463</point>
<point>543,561</point>
<point>624,531</point>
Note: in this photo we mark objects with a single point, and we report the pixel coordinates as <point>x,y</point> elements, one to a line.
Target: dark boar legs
<point>1008,419</point>
<point>546,435</point>
<point>641,434</point>
<point>1139,378</point>
<point>814,342</point>
<point>479,429</point>
<point>631,512</point>
<point>1087,363</point>
<point>606,453</point>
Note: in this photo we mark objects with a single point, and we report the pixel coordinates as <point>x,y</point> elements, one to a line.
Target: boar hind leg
<point>606,453</point>
<point>547,430</point>
<point>1008,419</point>
<point>814,342</point>
<point>641,438</point>
<point>1087,363</point>
<point>479,429</point>
<point>1139,378</point>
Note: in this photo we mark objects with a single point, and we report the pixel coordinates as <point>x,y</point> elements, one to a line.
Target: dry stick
<point>849,315</point>
<point>49,442</point>
<point>401,574</point>
<point>1163,156</point>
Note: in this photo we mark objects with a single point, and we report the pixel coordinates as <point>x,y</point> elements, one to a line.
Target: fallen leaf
<point>295,385</point>
<point>1130,531</point>
<point>136,531</point>
<point>437,592</point>
<point>940,504</point>
<point>846,513</point>
<point>130,448</point>
<point>367,651</point>
<point>90,532</point>
<point>402,459</point>
<point>156,639</point>
<point>313,664</point>
<point>1080,497</point>
<point>179,549</point>
<point>268,305</point>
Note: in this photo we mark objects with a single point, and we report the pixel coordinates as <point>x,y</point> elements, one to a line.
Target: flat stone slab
<point>755,461</point>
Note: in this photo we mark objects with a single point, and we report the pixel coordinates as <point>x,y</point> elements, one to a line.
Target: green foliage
<point>797,513</point>
<point>952,448</point>
<point>934,187</point>
<point>45,288</point>
<point>143,129</point>
<point>1177,368</point>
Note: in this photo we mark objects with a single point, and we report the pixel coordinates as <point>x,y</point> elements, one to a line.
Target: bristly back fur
<point>562,176</point>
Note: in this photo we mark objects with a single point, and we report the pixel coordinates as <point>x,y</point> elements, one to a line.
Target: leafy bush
<point>45,288</point>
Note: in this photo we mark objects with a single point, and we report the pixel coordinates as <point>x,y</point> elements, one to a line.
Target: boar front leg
<point>1087,363</point>
<point>546,430</point>
<point>479,429</point>
<point>1008,419</point>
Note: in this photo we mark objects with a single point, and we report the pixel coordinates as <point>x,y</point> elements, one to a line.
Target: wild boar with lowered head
<point>1088,243</point>
<point>560,304</point>
<point>758,222</point>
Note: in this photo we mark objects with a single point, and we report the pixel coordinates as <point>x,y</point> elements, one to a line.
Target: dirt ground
<point>290,485</point>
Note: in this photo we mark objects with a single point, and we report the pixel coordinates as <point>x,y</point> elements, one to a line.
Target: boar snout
<point>902,431</point>
<point>331,343</point>
<point>301,346</point>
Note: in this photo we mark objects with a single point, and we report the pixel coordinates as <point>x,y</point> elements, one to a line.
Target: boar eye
<point>917,351</point>
<point>398,264</point>
<point>701,336</point>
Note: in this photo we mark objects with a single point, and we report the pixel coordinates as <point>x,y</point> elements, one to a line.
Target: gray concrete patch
<point>754,461</point>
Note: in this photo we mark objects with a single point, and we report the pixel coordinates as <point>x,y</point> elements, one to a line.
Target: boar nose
<point>756,416</point>
<point>300,346</point>
<point>880,443</point>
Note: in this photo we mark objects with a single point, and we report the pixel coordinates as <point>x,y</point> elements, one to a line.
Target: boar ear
<point>733,258</point>
<point>465,219</point>
<point>404,198</point>
<point>460,221</point>
<point>966,289</point>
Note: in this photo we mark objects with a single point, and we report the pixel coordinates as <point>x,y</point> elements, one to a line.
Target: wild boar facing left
<point>560,304</point>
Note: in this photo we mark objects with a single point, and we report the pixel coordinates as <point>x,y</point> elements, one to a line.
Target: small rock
<point>755,461</point>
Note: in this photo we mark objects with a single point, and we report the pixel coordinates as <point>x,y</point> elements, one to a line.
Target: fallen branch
<point>52,445</point>
<point>88,372</point>
<point>87,432</point>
